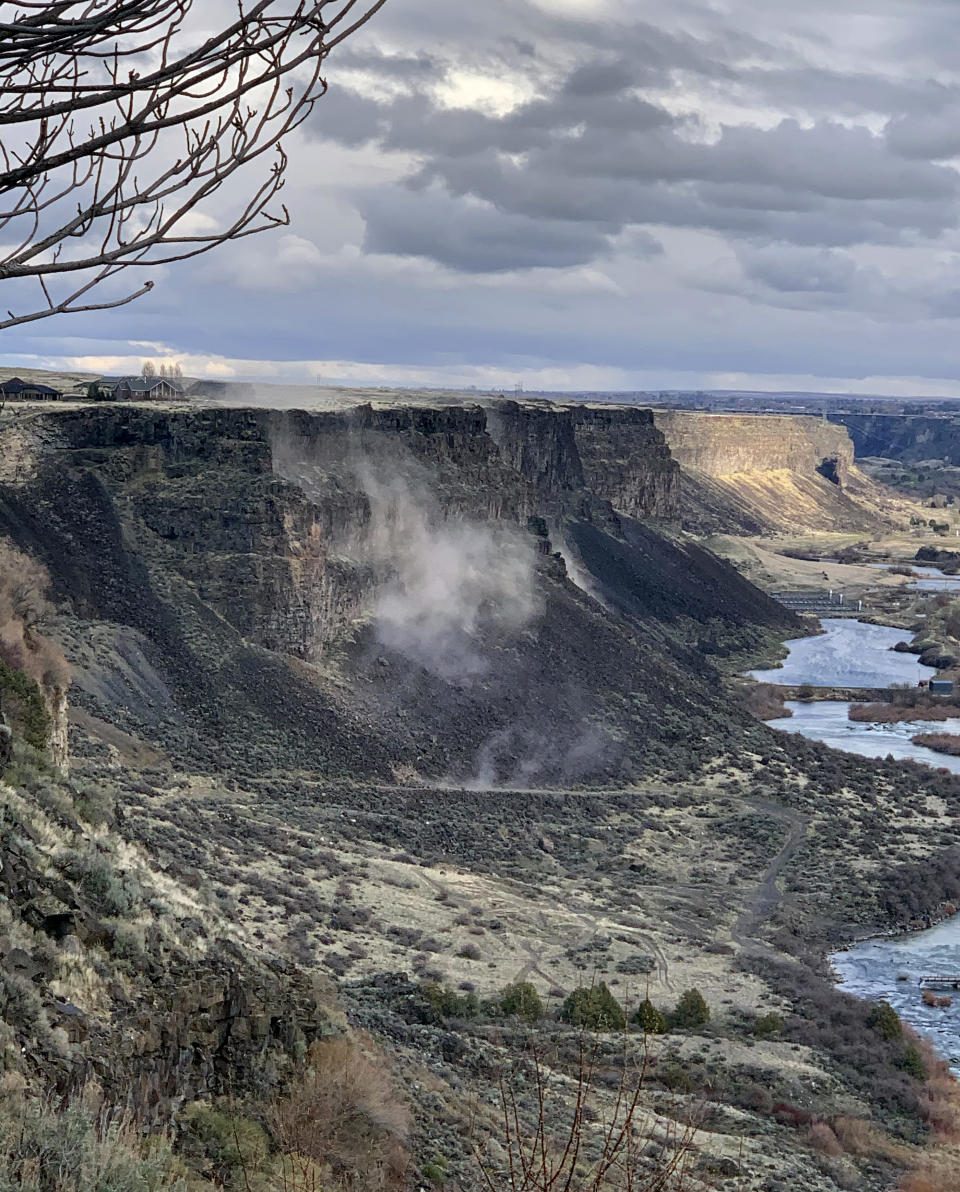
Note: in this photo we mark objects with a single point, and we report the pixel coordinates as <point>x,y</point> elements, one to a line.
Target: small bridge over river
<point>825,603</point>
<point>943,981</point>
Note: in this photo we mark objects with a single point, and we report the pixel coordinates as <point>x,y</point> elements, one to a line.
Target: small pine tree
<point>885,1021</point>
<point>912,1063</point>
<point>650,1020</point>
<point>594,1007</point>
<point>692,1011</point>
<point>522,1001</point>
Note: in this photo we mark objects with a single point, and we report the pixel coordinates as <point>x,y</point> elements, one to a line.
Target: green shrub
<point>912,1063</point>
<point>437,1170</point>
<point>21,1009</point>
<point>885,1021</point>
<point>110,893</point>
<point>450,1004</point>
<point>675,1077</point>
<point>24,700</point>
<point>768,1024</point>
<point>521,1000</point>
<point>50,1150</point>
<point>95,804</point>
<point>649,1019</point>
<point>127,942</point>
<point>229,1146</point>
<point>595,1007</point>
<point>692,1011</point>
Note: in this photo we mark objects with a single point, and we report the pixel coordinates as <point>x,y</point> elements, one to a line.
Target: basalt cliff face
<point>908,437</point>
<point>724,444</point>
<point>200,552</point>
<point>761,474</point>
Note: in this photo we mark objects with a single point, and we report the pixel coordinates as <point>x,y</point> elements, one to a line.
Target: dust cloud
<point>440,586</point>
<point>452,580</point>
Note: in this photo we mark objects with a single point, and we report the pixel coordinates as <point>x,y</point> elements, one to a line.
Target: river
<point>873,969</point>
<point>853,654</point>
<point>828,721</point>
<point>847,654</point>
<point>931,579</point>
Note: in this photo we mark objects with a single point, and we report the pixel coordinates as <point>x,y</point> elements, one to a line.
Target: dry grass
<point>81,1146</point>
<point>937,1167</point>
<point>342,1124</point>
<point>587,1132</point>
<point>23,606</point>
<point>895,713</point>
<point>947,743</point>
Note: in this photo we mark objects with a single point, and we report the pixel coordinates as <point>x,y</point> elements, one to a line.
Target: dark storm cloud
<point>790,270</point>
<point>754,185</point>
<point>475,237</point>
<point>924,136</point>
<point>593,158</point>
<point>405,67</point>
<point>597,150</point>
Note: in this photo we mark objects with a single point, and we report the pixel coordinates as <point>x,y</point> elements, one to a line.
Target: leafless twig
<point>561,1134</point>
<point>119,123</point>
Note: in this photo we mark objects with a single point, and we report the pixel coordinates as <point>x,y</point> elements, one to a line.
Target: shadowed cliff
<point>374,592</point>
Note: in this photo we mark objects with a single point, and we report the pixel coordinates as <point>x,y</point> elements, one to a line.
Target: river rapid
<point>853,654</point>
<point>847,654</point>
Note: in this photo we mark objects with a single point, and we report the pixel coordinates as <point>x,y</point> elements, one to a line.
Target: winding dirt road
<point>766,897</point>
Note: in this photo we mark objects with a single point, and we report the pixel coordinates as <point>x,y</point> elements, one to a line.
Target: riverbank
<point>890,711</point>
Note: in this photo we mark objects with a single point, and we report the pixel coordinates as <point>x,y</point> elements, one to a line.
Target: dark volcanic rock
<point>226,564</point>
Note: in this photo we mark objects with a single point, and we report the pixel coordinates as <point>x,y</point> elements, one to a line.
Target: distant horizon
<point>670,392</point>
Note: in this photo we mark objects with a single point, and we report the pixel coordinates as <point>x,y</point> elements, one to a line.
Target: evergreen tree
<point>595,1007</point>
<point>522,1000</point>
<point>650,1020</point>
<point>885,1021</point>
<point>692,1011</point>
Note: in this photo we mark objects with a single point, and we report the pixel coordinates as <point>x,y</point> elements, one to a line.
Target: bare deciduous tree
<point>586,1132</point>
<point>121,119</point>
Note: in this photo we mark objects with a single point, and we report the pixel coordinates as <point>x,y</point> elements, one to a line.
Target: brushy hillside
<point>406,786</point>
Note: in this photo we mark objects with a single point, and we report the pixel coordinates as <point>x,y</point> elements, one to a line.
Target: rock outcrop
<point>766,473</point>
<point>911,438</point>
<point>232,567</point>
<point>720,445</point>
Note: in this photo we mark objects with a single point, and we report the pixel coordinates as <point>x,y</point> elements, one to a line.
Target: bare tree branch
<point>117,127</point>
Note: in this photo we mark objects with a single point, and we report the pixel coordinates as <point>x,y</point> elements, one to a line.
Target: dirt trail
<point>766,897</point>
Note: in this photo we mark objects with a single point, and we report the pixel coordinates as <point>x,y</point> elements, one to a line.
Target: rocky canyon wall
<point>270,517</point>
<point>724,444</point>
<point>767,474</point>
<point>907,437</point>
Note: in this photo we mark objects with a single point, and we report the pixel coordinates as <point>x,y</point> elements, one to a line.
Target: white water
<point>870,970</point>
<point>828,721</point>
<point>848,654</point>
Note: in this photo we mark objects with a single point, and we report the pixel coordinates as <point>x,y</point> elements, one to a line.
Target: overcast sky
<point>605,194</point>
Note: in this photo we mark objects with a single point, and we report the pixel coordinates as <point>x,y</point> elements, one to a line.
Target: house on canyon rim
<point>136,389</point>
<point>17,390</point>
